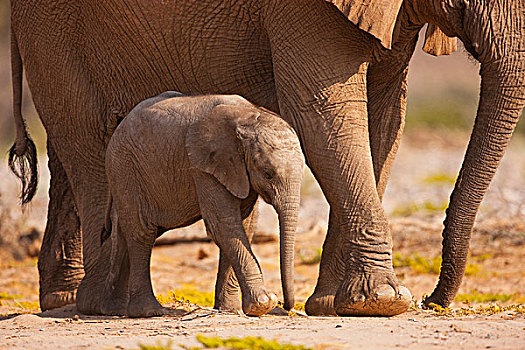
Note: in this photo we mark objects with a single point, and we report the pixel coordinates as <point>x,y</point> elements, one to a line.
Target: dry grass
<point>188,294</point>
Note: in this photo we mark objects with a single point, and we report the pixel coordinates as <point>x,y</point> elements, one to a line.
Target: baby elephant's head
<point>242,146</point>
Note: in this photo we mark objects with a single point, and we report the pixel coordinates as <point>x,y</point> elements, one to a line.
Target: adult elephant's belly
<point>188,46</point>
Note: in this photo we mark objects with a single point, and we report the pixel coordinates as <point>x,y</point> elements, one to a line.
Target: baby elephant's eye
<point>268,174</point>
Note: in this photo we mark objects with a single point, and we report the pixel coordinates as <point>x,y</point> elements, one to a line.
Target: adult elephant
<point>336,71</point>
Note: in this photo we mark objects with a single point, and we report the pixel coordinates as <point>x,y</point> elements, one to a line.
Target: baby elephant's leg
<point>222,215</point>
<point>142,301</point>
<point>227,287</point>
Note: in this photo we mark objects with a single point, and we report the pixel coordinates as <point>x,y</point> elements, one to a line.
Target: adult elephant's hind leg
<point>60,260</point>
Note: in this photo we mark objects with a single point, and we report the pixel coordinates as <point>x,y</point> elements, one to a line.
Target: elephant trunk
<point>287,208</point>
<point>501,102</point>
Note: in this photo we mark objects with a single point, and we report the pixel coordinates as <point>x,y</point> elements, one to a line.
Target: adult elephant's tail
<point>22,155</point>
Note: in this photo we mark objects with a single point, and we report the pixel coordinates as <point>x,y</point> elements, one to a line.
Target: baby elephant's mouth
<point>265,195</point>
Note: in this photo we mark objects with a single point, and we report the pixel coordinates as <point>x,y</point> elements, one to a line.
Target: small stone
<point>75,318</point>
<point>338,326</point>
<point>202,254</point>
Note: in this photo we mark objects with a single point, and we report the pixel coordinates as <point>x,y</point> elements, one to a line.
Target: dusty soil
<point>421,181</point>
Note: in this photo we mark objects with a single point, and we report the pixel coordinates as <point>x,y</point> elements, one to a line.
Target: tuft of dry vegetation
<point>419,264</point>
<point>475,297</point>
<point>159,346</point>
<point>310,256</point>
<point>514,310</point>
<point>247,343</point>
<point>234,343</point>
<point>439,179</point>
<point>13,303</point>
<point>420,207</point>
<point>187,296</point>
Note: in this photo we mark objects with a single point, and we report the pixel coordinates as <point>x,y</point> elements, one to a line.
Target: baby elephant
<point>176,159</point>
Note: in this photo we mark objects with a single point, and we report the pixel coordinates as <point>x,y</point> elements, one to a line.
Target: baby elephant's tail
<point>22,155</point>
<point>106,230</point>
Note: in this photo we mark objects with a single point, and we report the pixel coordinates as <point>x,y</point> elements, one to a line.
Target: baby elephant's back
<point>163,120</point>
<point>152,136</point>
<point>171,112</point>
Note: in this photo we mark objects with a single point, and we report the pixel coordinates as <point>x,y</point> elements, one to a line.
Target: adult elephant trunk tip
<point>22,156</point>
<point>288,214</point>
<point>502,100</point>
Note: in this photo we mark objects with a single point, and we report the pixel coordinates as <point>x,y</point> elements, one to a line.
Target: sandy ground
<point>411,330</point>
<point>413,202</point>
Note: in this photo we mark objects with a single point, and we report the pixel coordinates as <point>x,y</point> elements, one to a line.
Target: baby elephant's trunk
<point>288,210</point>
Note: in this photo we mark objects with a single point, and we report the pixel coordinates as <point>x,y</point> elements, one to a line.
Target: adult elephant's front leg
<point>320,74</point>
<point>387,94</point>
<point>60,259</point>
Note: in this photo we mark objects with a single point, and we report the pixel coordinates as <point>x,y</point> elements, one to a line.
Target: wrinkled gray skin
<point>176,159</point>
<point>335,71</point>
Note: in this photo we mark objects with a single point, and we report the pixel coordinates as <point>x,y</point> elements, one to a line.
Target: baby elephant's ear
<point>213,147</point>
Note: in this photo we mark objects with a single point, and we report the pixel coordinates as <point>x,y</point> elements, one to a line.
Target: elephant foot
<point>55,300</point>
<point>372,294</point>
<point>434,299</point>
<point>231,302</point>
<point>320,304</point>
<point>259,303</point>
<point>90,296</point>
<point>145,306</point>
<point>114,307</point>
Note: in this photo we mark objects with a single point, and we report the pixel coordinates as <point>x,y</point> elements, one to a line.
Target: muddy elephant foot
<point>372,294</point>
<point>55,300</point>
<point>260,302</point>
<point>320,304</point>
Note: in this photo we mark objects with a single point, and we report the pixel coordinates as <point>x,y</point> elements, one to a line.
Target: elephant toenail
<point>404,293</point>
<point>273,297</point>
<point>385,291</point>
<point>263,299</point>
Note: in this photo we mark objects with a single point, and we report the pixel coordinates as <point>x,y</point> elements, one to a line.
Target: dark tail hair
<point>24,166</point>
<point>22,155</point>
